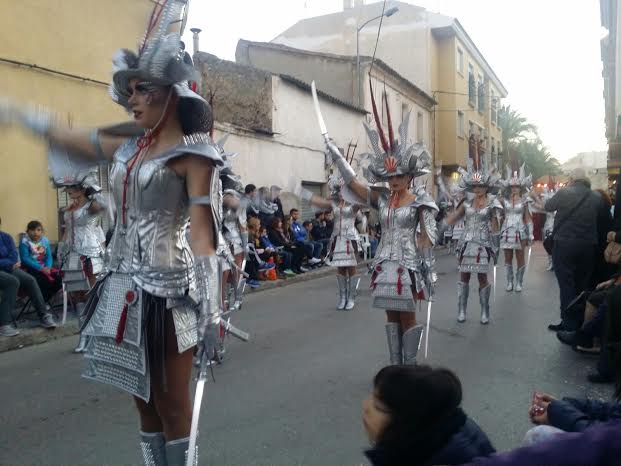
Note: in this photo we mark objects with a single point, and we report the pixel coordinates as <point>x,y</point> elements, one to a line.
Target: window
<point>404,111</point>
<point>460,61</point>
<point>481,95</point>
<point>493,146</point>
<point>471,128</point>
<point>493,106</point>
<point>472,86</point>
<point>460,123</point>
<point>419,127</point>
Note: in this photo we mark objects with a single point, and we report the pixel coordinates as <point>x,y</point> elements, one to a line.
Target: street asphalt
<point>292,395</point>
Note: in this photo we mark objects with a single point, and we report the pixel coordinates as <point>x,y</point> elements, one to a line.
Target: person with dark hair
<point>36,256</point>
<point>249,201</point>
<point>414,418</point>
<point>278,236</point>
<point>160,304</point>
<point>300,236</point>
<point>575,240</point>
<point>12,278</point>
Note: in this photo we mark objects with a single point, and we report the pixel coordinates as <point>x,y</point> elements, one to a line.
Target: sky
<point>545,52</point>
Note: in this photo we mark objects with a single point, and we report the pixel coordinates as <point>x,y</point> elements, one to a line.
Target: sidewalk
<point>32,334</point>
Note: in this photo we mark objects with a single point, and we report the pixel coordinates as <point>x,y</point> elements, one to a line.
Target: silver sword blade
<point>196,412</point>
<point>495,284</point>
<point>322,124</point>
<point>428,327</point>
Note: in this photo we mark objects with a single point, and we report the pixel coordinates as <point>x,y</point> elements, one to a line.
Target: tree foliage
<point>521,142</point>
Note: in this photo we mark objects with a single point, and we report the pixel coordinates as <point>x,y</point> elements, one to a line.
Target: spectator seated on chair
<point>279,237</point>
<point>36,256</point>
<point>12,280</point>
<point>284,258</point>
<point>300,236</point>
<point>319,231</point>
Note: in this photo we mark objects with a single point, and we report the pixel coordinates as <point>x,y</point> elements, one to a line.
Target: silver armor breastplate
<point>398,241</point>
<point>151,244</point>
<point>84,232</point>
<point>477,226</point>
<point>514,214</point>
<point>344,221</point>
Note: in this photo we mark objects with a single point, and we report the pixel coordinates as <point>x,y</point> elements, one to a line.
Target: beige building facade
<point>57,55</point>
<point>430,50</point>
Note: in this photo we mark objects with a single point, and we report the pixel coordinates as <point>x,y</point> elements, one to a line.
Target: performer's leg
<point>463,290</point>
<point>509,268</point>
<point>352,281</point>
<point>341,278</point>
<point>412,335</point>
<point>519,276</point>
<point>484,293</point>
<point>393,336</point>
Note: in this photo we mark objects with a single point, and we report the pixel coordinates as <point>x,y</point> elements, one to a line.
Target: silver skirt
<point>342,252</point>
<point>395,288</point>
<point>126,326</point>
<point>474,258</point>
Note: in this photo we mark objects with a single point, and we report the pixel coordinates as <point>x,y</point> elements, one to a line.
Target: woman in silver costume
<point>81,251</point>
<point>403,266</point>
<point>479,243</point>
<point>516,231</point>
<point>160,298</point>
<point>344,242</point>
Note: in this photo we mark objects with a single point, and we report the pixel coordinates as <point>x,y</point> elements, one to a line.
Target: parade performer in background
<point>345,242</point>
<point>403,266</point>
<point>160,298</point>
<point>453,198</point>
<point>548,192</point>
<point>480,241</point>
<point>81,250</point>
<point>516,232</point>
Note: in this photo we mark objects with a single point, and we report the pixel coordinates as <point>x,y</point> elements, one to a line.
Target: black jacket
<point>465,443</point>
<point>581,225</point>
<point>576,415</point>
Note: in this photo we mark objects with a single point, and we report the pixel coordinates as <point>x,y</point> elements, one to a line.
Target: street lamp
<point>387,13</point>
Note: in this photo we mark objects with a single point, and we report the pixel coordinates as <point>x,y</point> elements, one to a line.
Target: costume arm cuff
<point>346,171</point>
<point>208,272</point>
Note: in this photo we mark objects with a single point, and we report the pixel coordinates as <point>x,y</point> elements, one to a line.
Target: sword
<point>196,411</point>
<point>428,327</point>
<point>495,266</point>
<point>530,250</point>
<point>322,124</point>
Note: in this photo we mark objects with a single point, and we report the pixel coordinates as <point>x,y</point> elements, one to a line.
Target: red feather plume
<point>378,123</point>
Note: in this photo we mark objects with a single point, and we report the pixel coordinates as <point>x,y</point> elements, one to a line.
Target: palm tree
<point>514,126</point>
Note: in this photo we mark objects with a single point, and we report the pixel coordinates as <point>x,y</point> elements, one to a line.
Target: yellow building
<point>430,50</point>
<point>57,55</point>
<point>468,93</point>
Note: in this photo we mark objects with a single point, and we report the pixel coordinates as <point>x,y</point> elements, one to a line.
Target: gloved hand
<point>208,271</point>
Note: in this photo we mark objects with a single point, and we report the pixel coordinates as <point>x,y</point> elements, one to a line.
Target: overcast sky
<point>546,53</point>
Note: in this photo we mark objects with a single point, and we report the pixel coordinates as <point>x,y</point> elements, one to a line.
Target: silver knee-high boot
<point>519,279</point>
<point>484,294</point>
<point>550,266</point>
<point>177,450</point>
<point>352,288</point>
<point>411,343</point>
<point>153,448</point>
<point>342,283</point>
<point>393,335</point>
<point>463,290</point>
<point>509,270</point>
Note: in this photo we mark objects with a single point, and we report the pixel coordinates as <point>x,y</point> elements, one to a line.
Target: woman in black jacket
<point>413,418</point>
<point>277,236</point>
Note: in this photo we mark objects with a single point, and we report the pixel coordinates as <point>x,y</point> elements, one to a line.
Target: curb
<point>30,336</point>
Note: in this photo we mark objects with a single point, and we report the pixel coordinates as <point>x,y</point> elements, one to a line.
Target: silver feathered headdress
<point>86,179</point>
<point>517,178</point>
<point>162,60</point>
<point>479,170</point>
<point>392,157</point>
<point>230,180</point>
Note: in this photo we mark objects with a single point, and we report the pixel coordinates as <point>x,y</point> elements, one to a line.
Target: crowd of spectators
<point>30,273</point>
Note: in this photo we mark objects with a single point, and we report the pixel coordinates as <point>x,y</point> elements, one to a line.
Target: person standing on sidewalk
<point>575,239</point>
<point>12,278</point>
